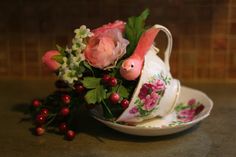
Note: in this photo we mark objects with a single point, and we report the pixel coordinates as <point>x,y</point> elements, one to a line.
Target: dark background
<point>204,33</point>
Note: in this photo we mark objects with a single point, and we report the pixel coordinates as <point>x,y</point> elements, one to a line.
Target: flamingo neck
<point>145,42</point>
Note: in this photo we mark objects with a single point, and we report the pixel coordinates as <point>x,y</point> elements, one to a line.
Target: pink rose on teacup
<point>48,60</point>
<point>106,46</point>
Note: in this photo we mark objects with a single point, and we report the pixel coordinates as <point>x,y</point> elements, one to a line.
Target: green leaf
<point>134,29</point>
<point>123,91</point>
<point>145,14</point>
<point>101,93</point>
<point>91,82</point>
<point>88,66</point>
<point>180,107</point>
<point>61,50</point>
<point>98,92</point>
<point>91,96</point>
<point>136,101</point>
<point>96,95</point>
<point>131,21</point>
<point>58,58</point>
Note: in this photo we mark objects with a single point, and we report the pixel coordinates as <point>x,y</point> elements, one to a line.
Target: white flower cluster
<point>71,70</point>
<point>79,43</point>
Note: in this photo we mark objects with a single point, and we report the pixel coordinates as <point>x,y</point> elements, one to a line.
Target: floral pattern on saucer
<point>186,112</point>
<point>173,122</point>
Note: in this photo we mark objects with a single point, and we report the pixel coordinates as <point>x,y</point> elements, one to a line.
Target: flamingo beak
<point>125,66</point>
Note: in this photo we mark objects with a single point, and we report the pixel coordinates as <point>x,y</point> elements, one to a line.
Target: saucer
<point>193,106</point>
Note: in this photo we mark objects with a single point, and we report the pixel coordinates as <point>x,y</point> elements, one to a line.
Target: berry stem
<point>107,110</point>
<point>51,115</point>
<point>50,121</point>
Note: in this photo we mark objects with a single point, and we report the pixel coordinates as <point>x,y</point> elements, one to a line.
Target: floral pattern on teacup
<point>150,95</point>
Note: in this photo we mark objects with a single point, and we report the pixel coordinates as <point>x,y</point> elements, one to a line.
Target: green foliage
<point>79,70</point>
<point>166,79</point>
<point>97,92</point>
<point>180,107</point>
<point>91,82</point>
<point>95,95</point>
<point>58,58</point>
<point>123,91</point>
<point>142,111</point>
<point>86,65</point>
<point>61,50</point>
<point>107,111</point>
<point>134,29</point>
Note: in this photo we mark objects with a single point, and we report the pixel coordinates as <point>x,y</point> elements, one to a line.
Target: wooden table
<point>214,137</point>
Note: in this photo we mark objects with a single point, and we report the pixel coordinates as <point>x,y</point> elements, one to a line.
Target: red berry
<point>125,103</point>
<point>70,135</point>
<point>36,103</point>
<point>65,111</point>
<point>105,79</point>
<point>63,127</point>
<point>39,131</point>
<point>114,98</point>
<point>112,82</point>
<point>79,88</point>
<point>40,119</point>
<point>66,98</point>
<point>44,112</point>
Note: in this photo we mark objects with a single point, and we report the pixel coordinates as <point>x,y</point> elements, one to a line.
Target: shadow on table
<point>92,127</point>
<point>87,125</point>
<point>24,109</point>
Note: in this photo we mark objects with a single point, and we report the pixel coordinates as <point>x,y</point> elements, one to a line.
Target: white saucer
<point>171,123</point>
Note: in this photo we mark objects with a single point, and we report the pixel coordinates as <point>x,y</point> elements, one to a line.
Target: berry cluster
<point>44,116</point>
<point>57,109</point>
<point>114,98</point>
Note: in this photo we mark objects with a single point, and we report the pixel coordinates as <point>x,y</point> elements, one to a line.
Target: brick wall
<point>204,32</point>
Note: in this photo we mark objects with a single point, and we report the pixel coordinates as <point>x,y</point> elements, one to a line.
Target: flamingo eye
<point>132,66</point>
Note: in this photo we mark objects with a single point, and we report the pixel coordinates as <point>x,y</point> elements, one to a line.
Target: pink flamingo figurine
<point>132,66</point>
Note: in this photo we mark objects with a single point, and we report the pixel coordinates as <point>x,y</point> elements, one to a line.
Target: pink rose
<point>115,25</point>
<point>191,102</point>
<point>186,115</point>
<point>159,85</point>
<point>150,101</point>
<point>49,61</point>
<point>106,46</point>
<point>134,110</point>
<point>146,89</point>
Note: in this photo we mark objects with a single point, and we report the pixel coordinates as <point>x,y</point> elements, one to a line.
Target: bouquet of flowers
<point>102,67</point>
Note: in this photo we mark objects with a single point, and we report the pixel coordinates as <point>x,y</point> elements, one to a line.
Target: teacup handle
<point>169,45</point>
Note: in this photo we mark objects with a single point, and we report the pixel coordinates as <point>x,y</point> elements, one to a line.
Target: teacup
<point>157,92</point>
